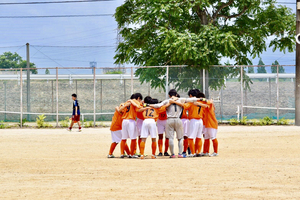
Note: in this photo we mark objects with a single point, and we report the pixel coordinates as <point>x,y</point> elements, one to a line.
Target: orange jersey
<point>117,120</point>
<point>184,114</point>
<point>210,116</point>
<point>153,113</point>
<point>140,114</point>
<point>162,113</point>
<point>195,112</point>
<point>130,112</point>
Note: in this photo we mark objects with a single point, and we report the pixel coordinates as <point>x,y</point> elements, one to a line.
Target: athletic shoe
<point>181,156</point>
<point>198,155</point>
<point>79,130</point>
<point>166,154</point>
<point>153,156</point>
<point>135,156</point>
<point>205,154</point>
<point>122,156</point>
<point>173,156</point>
<point>142,157</point>
<point>213,154</point>
<point>110,156</point>
<point>160,154</point>
<point>129,156</point>
<point>69,129</point>
<point>183,153</point>
<point>191,155</point>
<point>138,154</point>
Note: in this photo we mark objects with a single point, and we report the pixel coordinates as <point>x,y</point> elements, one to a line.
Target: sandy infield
<point>253,163</point>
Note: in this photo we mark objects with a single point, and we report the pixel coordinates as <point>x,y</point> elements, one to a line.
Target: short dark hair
<point>193,93</point>
<point>148,100</point>
<point>177,95</point>
<point>74,95</point>
<point>132,96</point>
<point>154,101</point>
<point>201,95</point>
<point>138,95</point>
<point>172,92</point>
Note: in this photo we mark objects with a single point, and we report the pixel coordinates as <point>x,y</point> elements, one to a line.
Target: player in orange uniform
<point>196,124</point>
<point>185,124</point>
<point>161,127</point>
<point>149,125</point>
<point>211,128</point>
<point>139,120</point>
<point>116,131</point>
<point>129,125</point>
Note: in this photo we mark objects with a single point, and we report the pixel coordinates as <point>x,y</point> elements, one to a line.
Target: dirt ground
<point>253,163</point>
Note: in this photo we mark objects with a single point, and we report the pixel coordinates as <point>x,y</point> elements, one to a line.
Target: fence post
<point>167,82</point>
<point>203,81</point>
<point>242,94</point>
<point>56,96</point>
<point>21,98</point>
<point>94,96</point>
<point>277,94</point>
<point>131,80</point>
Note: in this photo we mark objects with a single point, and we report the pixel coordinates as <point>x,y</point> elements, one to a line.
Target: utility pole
<point>28,80</point>
<point>119,40</point>
<point>297,88</point>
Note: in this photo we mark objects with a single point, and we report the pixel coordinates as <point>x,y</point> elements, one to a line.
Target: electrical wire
<point>55,16</point>
<point>49,2</point>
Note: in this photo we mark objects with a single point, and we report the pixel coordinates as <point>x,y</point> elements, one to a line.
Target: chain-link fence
<point>100,90</point>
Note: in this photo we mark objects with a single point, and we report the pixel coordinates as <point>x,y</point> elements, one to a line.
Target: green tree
<point>250,70</point>
<point>10,60</point>
<point>47,71</point>
<point>274,67</point>
<point>199,33</point>
<point>261,68</point>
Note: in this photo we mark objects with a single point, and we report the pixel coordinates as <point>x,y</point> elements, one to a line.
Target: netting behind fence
<point>266,95</point>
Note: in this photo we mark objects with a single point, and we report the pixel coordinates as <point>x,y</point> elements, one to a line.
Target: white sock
<point>180,145</point>
<point>171,145</point>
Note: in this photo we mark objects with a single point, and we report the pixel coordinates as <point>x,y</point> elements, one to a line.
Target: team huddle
<point>191,118</point>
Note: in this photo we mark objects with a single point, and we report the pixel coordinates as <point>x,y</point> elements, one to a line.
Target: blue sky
<point>84,31</point>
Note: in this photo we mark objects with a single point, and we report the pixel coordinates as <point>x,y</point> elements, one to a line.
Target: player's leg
<point>72,123</point>
<point>125,136</point>
<point>192,135</point>
<point>116,137</point>
<point>153,133</point>
<point>166,147</point>
<point>78,122</point>
<point>179,134</point>
<point>132,133</point>
<point>170,135</point>
<point>213,137</point>
<point>198,144</point>
<point>144,135</point>
<point>160,144</point>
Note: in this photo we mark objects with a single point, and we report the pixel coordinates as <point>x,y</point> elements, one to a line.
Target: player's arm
<point>143,109</point>
<point>201,104</point>
<point>177,103</point>
<point>158,105</point>
<point>76,108</point>
<point>121,108</point>
<point>134,103</point>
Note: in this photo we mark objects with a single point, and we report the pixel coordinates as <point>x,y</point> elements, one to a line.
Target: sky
<point>95,37</point>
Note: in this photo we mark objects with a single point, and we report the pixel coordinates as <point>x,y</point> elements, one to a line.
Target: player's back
<point>151,113</point>
<point>116,123</point>
<point>195,112</point>
<point>210,116</point>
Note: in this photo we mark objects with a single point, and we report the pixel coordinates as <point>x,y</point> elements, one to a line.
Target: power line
<point>50,2</point>
<point>55,16</point>
<point>72,46</point>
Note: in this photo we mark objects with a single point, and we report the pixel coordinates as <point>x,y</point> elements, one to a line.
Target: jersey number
<point>128,109</point>
<point>199,109</point>
<point>150,114</point>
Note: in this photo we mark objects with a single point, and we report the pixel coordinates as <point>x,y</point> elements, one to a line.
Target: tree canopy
<point>198,33</point>
<point>261,68</point>
<point>10,60</point>
<point>274,67</point>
